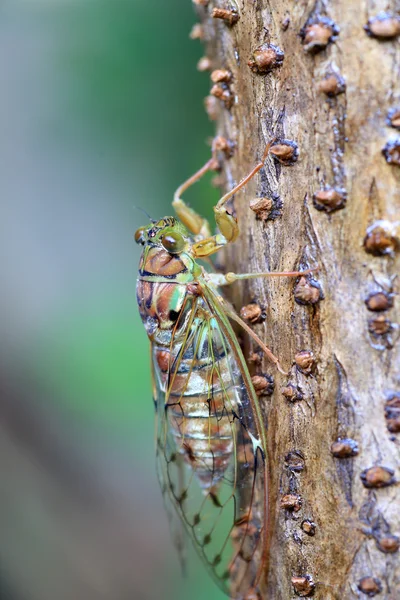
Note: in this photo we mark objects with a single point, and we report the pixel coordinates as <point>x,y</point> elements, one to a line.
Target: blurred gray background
<point>100,111</point>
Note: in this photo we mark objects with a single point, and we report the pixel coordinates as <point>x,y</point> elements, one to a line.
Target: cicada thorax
<point>163,293</point>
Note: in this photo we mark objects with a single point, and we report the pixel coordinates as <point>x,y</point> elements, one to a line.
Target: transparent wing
<point>177,529</point>
<point>211,446</point>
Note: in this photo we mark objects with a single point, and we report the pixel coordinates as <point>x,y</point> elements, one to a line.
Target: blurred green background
<point>101,111</point>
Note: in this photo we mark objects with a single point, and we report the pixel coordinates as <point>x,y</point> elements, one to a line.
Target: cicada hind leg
<point>194,222</point>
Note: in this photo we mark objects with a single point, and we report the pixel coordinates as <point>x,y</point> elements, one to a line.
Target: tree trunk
<point>311,75</point>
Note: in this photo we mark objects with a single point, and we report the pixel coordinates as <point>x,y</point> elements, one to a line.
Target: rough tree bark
<point>324,81</point>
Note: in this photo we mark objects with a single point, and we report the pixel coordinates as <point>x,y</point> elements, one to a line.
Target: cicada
<point>211,449</point>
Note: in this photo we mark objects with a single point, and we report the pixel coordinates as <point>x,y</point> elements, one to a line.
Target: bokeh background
<point>101,110</point>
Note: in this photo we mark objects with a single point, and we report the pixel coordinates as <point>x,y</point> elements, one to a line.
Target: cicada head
<point>166,247</point>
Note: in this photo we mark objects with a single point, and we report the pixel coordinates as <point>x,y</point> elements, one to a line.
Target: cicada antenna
<point>145,212</point>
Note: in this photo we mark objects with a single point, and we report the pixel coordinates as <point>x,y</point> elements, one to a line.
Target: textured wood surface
<point>355,513</point>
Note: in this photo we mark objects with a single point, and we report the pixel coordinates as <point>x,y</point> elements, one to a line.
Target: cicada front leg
<point>194,222</point>
<point>227,224</point>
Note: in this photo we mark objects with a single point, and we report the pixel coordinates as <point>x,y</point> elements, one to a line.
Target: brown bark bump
<point>329,199</point>
<point>384,26</point>
<point>305,361</point>
<point>393,118</point>
<point>388,544</point>
<point>291,502</point>
<point>381,238</point>
<point>251,313</point>
<point>265,58</point>
<point>344,448</point>
<point>318,33</point>
<point>263,384</point>
<point>379,301</point>
<point>309,527</point>
<point>262,207</point>
<point>304,585</point>
<point>307,291</point>
<point>370,586</point>
<point>377,477</point>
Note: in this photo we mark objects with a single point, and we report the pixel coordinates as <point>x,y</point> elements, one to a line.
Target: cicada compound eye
<point>139,235</point>
<point>173,242</point>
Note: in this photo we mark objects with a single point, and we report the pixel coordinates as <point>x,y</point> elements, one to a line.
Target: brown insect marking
<point>330,199</point>
<point>252,313</point>
<point>393,118</point>
<point>266,58</point>
<point>381,238</point>
<point>201,2</point>
<point>389,544</point>
<point>291,502</point>
<point>197,32</point>
<point>262,207</point>
<point>244,525</point>
<point>163,358</point>
<point>379,301</point>
<point>229,16</point>
<point>307,291</point>
<point>263,384</point>
<point>285,152</point>
<point>370,586</point>
<point>221,144</point>
<point>392,152</point>
<point>392,412</point>
<point>317,35</point>
<point>308,527</point>
<point>305,360</point>
<point>379,325</point>
<point>344,448</point>
<point>214,497</point>
<point>295,461</point>
<point>377,477</point>
<point>221,75</point>
<point>243,520</point>
<point>189,452</point>
<point>223,93</point>
<point>332,85</point>
<point>204,64</point>
<point>304,585</point>
<point>384,26</point>
<point>193,289</point>
<point>212,108</point>
<point>292,393</point>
